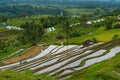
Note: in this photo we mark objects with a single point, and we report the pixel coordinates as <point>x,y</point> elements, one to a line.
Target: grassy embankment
<point>10,75</point>
<point>100,34</point>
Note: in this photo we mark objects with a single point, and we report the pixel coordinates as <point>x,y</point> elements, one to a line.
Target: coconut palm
<point>66,28</point>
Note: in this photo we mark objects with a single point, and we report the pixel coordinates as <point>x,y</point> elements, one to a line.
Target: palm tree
<point>66,27</point>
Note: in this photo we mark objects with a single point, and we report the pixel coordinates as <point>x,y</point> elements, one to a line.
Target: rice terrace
<point>60,40</point>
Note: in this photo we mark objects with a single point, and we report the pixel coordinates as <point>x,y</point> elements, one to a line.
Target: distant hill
<point>14,1</point>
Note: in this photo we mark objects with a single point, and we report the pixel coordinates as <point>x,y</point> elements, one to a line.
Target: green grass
<point>99,71</point>
<point>2,29</point>
<point>107,35</point>
<point>100,34</point>
<point>80,11</point>
<point>17,53</point>
<point>84,11</point>
<point>10,75</point>
<point>18,21</point>
<point>3,55</point>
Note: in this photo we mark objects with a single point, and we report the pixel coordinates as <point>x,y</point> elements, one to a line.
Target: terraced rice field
<point>8,34</point>
<point>62,61</point>
<point>29,53</point>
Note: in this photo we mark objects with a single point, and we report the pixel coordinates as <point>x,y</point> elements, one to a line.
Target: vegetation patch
<point>10,75</point>
<point>31,52</point>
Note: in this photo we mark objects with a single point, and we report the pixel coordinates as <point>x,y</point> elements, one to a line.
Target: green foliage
<point>99,33</point>
<point>28,10</point>
<point>8,46</point>
<point>94,40</point>
<point>97,25</point>
<point>8,42</point>
<point>10,75</point>
<point>77,33</point>
<point>115,36</point>
<point>66,27</point>
<point>50,21</point>
<point>3,45</point>
<point>32,33</point>
<point>108,25</point>
<point>3,18</point>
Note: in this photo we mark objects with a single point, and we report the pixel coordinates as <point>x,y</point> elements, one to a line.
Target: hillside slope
<point>106,70</point>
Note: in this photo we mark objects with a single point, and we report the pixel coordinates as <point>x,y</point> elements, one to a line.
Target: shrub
<point>97,25</point>
<point>94,40</point>
<point>115,36</point>
<point>108,25</point>
<point>77,33</point>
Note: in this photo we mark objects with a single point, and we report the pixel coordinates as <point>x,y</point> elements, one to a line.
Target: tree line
<point>32,33</point>
<point>28,10</point>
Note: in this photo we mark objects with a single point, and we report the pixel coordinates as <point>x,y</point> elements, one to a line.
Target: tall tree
<point>66,27</point>
<point>32,33</point>
<point>108,25</point>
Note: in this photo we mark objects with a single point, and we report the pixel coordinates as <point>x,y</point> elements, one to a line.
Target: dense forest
<point>54,7</point>
<point>15,8</point>
<point>28,10</point>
